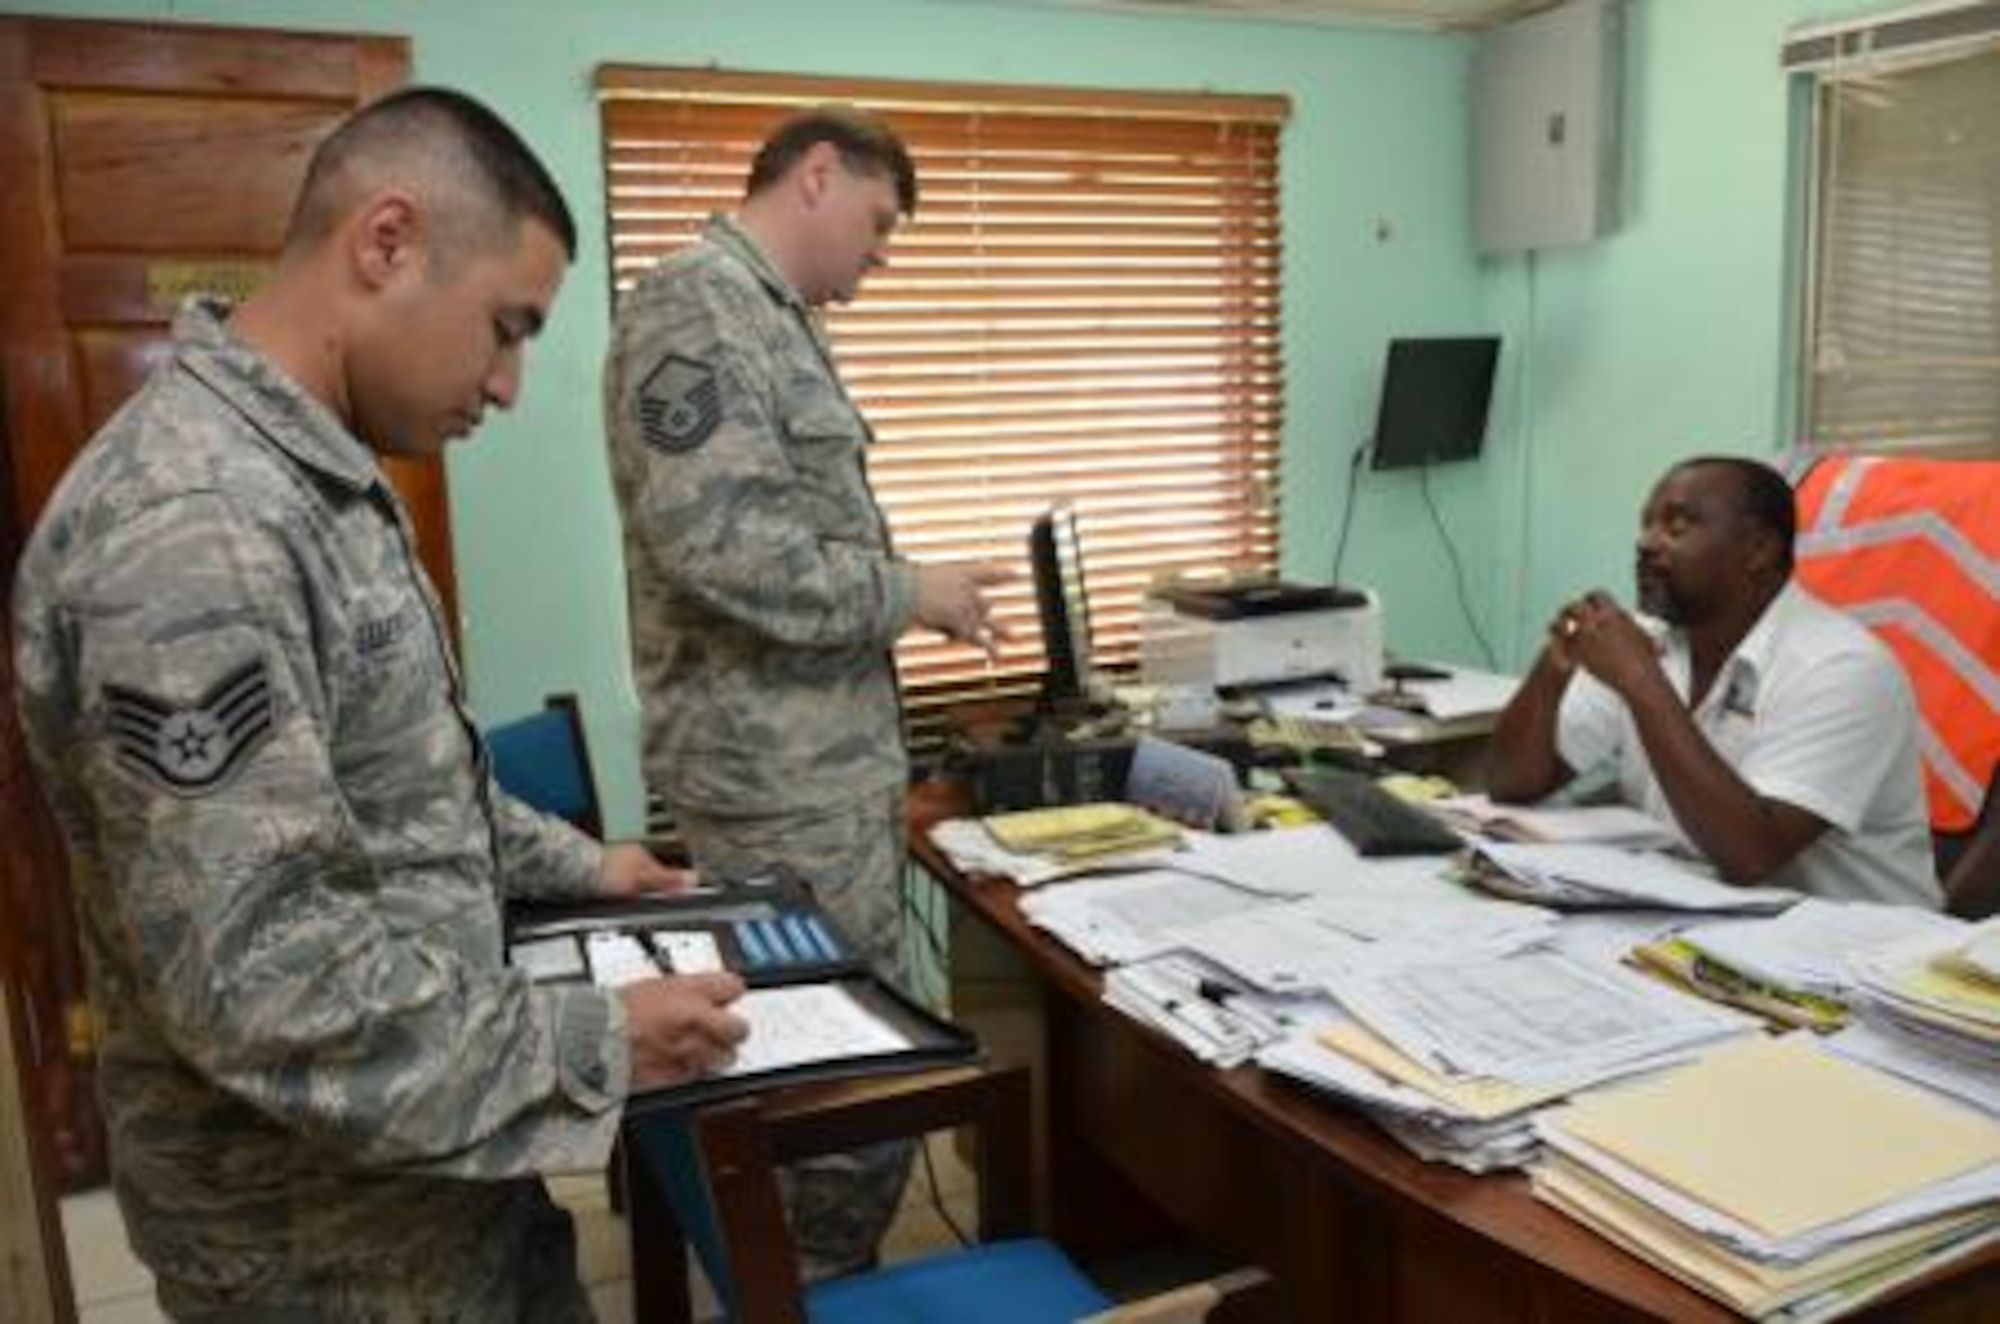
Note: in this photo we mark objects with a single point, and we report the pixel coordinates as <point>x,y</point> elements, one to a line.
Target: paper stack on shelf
<point>1790,968</point>
<point>1588,876</point>
<point>1776,1177</point>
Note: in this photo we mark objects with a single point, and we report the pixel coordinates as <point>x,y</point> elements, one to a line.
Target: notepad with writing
<point>1784,1137</point>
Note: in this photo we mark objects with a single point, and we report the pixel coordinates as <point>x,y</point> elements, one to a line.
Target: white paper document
<point>1290,862</point>
<point>549,958</point>
<point>1129,917</point>
<point>1614,825</point>
<point>1535,1016</point>
<point>1464,693</point>
<point>1808,948</point>
<point>1584,875</point>
<point>618,959</point>
<point>808,1023</point>
<point>1314,943</point>
<point>1955,1069</point>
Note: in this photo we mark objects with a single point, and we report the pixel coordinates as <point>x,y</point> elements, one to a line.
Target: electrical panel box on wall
<point>1545,127</point>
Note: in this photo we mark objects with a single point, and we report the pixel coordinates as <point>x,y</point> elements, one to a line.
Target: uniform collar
<point>272,402</point>
<point>728,233</point>
<point>1736,687</point>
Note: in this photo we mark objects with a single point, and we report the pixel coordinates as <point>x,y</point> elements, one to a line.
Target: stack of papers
<point>1480,1126</point>
<point>1220,1020</point>
<point>1929,1013</point>
<point>1073,833</point>
<point>1454,1059</point>
<point>1129,917</point>
<point>1925,989</point>
<point>1777,1178</point>
<point>973,850</point>
<point>1792,968</point>
<point>1609,825</point>
<point>1585,876</point>
<point>1318,943</point>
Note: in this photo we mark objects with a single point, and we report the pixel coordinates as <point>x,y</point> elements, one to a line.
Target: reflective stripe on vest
<point>1911,548</point>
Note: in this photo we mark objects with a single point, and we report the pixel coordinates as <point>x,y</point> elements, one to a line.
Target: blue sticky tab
<point>829,950</point>
<point>774,939</point>
<point>752,943</point>
<point>803,945</point>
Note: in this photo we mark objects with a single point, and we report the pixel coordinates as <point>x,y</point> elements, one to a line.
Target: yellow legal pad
<point>1782,1136</point>
<point>1072,832</point>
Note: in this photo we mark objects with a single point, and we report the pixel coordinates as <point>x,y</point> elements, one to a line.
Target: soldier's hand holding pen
<point>951,599</point>
<point>680,1026</point>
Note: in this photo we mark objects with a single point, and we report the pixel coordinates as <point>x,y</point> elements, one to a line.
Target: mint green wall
<point>1378,132</point>
<point>1674,335</point>
<point>1666,338</point>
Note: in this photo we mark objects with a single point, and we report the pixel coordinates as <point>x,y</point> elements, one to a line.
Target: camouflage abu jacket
<point>289,857</point>
<point>765,597</point>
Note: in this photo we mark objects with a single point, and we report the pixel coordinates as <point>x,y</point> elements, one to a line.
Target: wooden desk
<point>1142,1138</point>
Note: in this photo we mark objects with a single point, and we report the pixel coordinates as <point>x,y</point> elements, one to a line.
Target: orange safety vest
<point>1911,548</point>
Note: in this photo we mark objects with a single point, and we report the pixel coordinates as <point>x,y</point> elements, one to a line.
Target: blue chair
<point>544,760</point>
<point>707,1173</point>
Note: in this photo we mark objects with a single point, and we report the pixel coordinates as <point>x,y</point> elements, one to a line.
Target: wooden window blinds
<point>1902,318</point>
<point>1085,308</point>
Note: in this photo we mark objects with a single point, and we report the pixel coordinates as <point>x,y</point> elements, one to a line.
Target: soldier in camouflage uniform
<point>765,596</point>
<point>328,1099</point>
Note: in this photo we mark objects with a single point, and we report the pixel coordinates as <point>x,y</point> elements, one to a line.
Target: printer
<point>1264,633</point>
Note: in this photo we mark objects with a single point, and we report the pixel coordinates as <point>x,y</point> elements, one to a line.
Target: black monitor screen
<point>1434,398</point>
<point>1057,560</point>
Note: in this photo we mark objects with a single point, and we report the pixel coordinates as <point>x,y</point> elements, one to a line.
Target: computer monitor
<point>1056,558</point>
<point>1435,393</point>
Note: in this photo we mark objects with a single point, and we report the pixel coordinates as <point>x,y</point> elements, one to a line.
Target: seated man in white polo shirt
<point>1776,735</point>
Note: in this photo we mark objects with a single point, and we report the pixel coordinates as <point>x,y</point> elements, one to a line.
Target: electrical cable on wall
<point>1457,569</point>
<point>1347,507</point>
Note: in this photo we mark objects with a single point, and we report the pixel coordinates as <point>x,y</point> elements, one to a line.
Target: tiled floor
<point>114,1288</point>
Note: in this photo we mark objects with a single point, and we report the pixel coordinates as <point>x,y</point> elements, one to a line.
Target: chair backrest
<point>710,1169</point>
<point>544,760</point>
<point>717,1163</point>
<point>1911,548</point>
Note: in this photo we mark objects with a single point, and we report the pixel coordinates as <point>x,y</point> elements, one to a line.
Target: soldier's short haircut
<point>1763,497</point>
<point>449,149</point>
<point>866,143</point>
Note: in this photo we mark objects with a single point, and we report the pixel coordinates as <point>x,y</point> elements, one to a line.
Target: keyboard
<point>1374,821</point>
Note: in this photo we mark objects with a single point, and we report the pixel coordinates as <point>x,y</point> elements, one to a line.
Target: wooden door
<point>138,163</point>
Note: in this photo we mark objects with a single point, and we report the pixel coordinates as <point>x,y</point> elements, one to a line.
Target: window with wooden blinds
<point>1084,309</point>
<point>1902,334</point>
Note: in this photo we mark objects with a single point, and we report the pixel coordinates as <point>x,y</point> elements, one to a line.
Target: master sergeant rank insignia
<point>679,405</point>
<point>190,749</point>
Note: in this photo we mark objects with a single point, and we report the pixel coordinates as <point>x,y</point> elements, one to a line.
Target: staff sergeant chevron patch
<point>679,405</point>
<point>191,749</point>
